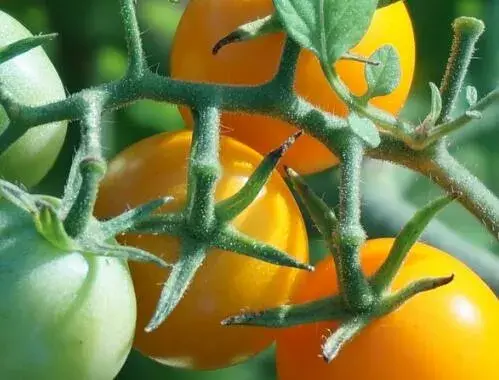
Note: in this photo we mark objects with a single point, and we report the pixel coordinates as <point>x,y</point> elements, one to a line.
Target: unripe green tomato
<point>33,80</point>
<point>64,315</point>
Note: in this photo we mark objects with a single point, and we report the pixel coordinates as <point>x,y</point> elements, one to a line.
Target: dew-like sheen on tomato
<point>448,333</point>
<point>32,80</point>
<point>205,22</point>
<point>63,315</point>
<point>192,336</point>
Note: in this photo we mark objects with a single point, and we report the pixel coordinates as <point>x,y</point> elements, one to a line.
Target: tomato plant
<point>64,315</point>
<point>447,333</point>
<point>32,80</point>
<point>192,336</point>
<point>205,22</point>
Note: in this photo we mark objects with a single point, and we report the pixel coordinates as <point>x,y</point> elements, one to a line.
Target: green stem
<point>285,76</point>
<point>462,121</point>
<point>204,170</point>
<point>381,118</point>
<point>92,170</point>
<point>137,62</point>
<point>467,31</point>
<point>353,284</point>
<point>473,194</point>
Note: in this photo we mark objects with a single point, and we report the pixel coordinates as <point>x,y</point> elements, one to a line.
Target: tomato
<point>205,22</point>
<point>64,315</point>
<point>192,336</point>
<point>33,80</point>
<point>448,333</point>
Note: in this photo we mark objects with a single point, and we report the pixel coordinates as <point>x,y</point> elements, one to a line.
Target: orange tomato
<point>192,336</point>
<point>205,22</point>
<point>448,333</point>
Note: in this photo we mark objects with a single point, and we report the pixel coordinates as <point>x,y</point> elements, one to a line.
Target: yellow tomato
<point>192,336</point>
<point>205,22</point>
<point>448,333</point>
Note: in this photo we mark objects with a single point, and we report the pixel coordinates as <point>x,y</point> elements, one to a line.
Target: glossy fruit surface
<point>448,333</point>
<point>205,22</point>
<point>32,80</point>
<point>64,315</point>
<point>192,336</point>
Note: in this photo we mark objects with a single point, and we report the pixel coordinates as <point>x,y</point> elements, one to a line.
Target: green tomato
<point>63,315</point>
<point>33,80</point>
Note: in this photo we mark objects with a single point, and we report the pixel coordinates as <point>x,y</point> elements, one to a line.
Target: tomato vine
<point>204,222</point>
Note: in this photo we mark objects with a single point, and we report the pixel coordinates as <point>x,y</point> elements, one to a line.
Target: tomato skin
<point>63,315</point>
<point>448,333</point>
<point>205,22</point>
<point>33,80</point>
<point>192,336</point>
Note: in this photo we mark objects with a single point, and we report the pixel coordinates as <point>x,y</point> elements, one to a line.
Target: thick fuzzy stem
<point>353,284</point>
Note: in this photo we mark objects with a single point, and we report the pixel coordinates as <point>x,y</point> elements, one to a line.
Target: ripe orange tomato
<point>205,22</point>
<point>192,336</point>
<point>448,333</point>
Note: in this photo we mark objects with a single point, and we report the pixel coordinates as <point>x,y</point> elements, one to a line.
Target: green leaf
<point>436,105</point>
<point>329,28</point>
<point>383,78</point>
<point>365,129</point>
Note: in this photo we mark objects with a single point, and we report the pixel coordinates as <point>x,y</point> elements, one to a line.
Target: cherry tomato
<point>205,22</point>
<point>192,336</point>
<point>448,333</point>
<point>64,314</point>
<point>33,80</point>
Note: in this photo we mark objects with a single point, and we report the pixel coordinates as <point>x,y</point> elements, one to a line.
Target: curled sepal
<point>323,216</point>
<point>329,308</point>
<point>232,240</point>
<point>365,129</point>
<point>183,271</point>
<point>342,335</point>
<point>230,208</point>
<point>22,46</point>
<point>409,234</point>
<point>329,28</point>
<point>383,78</point>
<point>124,253</point>
<point>395,300</point>
<point>50,226</point>
<point>131,218</point>
<point>254,29</point>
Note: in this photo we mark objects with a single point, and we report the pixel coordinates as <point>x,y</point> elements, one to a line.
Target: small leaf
<point>436,102</point>
<point>471,95</point>
<point>329,28</point>
<point>365,129</point>
<point>474,114</point>
<point>384,78</point>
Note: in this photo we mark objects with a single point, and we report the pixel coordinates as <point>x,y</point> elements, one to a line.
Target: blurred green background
<point>90,50</point>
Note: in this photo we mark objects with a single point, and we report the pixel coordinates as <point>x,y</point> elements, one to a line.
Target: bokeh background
<point>90,50</point>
